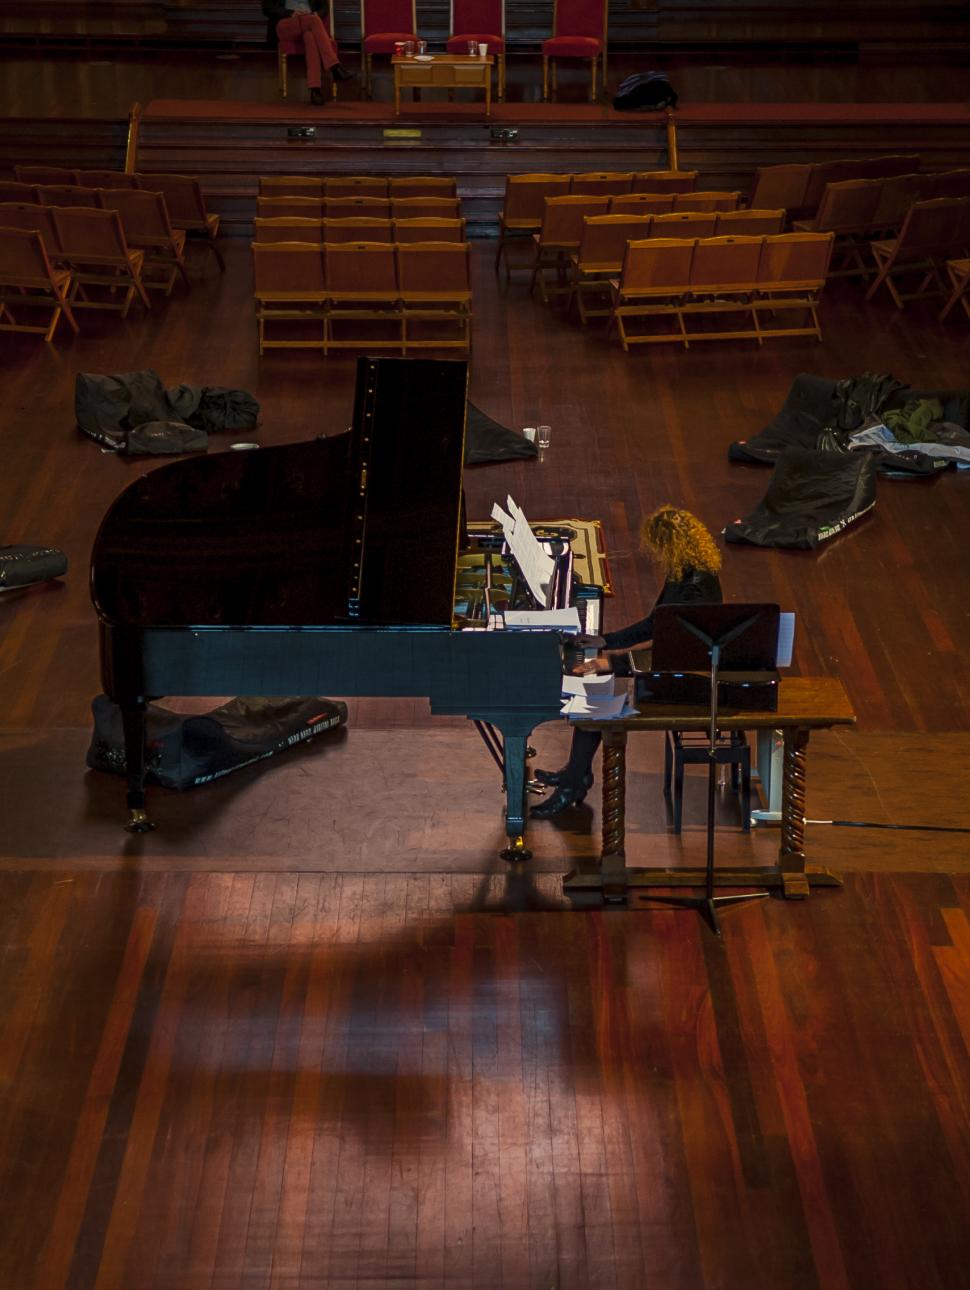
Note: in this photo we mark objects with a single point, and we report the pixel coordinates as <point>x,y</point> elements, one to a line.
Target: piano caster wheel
<point>530,752</point>
<point>138,822</point>
<point>516,850</point>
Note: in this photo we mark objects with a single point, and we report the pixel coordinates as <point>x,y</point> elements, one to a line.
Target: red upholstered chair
<point>484,21</point>
<point>382,22</point>
<point>578,31</point>
<point>294,49</point>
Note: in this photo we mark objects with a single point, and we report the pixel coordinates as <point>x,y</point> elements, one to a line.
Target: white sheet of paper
<point>598,683</point>
<point>786,640</point>
<point>548,620</point>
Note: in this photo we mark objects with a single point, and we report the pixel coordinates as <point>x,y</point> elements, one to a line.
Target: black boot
<point>564,797</point>
<point>316,96</point>
<point>341,73</point>
<point>553,778</point>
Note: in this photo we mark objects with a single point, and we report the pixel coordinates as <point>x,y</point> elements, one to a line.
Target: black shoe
<point>553,778</point>
<point>561,800</point>
<point>316,97</point>
<point>341,73</point>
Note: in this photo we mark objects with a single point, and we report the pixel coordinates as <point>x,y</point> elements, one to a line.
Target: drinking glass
<point>422,46</point>
<point>543,435</point>
<point>473,48</point>
<point>409,48</point>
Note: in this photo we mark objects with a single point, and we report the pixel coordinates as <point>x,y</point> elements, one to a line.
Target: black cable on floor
<point>869,824</point>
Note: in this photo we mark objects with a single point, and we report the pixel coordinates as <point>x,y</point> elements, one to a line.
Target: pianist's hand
<point>591,666</point>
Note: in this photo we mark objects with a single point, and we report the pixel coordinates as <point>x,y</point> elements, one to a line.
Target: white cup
<point>482,49</point>
<point>530,433</point>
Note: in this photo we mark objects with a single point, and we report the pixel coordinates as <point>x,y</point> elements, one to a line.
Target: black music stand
<point>690,633</point>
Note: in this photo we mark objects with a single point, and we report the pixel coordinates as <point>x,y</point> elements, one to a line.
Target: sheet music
<point>543,620</point>
<point>786,640</point>
<point>535,565</point>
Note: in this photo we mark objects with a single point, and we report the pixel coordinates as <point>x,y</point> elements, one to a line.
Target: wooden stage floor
<point>314,1035</point>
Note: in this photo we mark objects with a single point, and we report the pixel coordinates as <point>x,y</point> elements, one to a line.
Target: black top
<point>276,9</point>
<point>697,586</point>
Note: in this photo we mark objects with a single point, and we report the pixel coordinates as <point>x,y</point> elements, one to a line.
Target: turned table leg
<point>791,856</point>
<point>613,857</point>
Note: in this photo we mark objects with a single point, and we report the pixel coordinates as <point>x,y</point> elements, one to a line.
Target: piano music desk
<point>804,704</point>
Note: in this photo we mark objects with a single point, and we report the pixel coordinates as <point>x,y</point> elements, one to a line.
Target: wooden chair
<point>421,186</point>
<point>931,234</point>
<point>287,49</point>
<point>749,223</point>
<point>602,246</point>
<point>382,24</point>
<point>13,191</point>
<point>780,186</point>
<point>289,208</point>
<point>359,228</point>
<point>723,278</point>
<point>186,208</point>
<point>355,186</point>
<point>706,201</point>
<point>425,207</point>
<point>685,224</point>
<point>291,186</point>
<point>959,275</point>
<point>28,280</point>
<point>835,172</point>
<point>484,22</point>
<point>68,195</point>
<point>93,246</point>
<point>579,30</point>
<point>690,748</point>
<point>362,286</point>
<point>289,285</point>
<point>288,228</point>
<point>791,275</point>
<point>597,183</point>
<point>429,230</point>
<point>664,181</point>
<point>349,207</point>
<point>45,175</point>
<point>106,179</point>
<point>147,227</point>
<point>949,183</point>
<point>562,228</point>
<point>434,281</point>
<point>654,281</point>
<point>848,210</point>
<point>522,209</point>
<point>897,194</point>
<point>642,204</point>
<point>28,215</point>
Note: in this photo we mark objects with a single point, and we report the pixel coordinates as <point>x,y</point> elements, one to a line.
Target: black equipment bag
<point>185,751</point>
<point>645,92</point>
<point>20,566</point>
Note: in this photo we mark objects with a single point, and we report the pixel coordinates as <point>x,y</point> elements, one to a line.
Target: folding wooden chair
<point>835,172</point>
<point>849,210</point>
<point>562,228</point>
<point>289,208</point>
<point>749,223</point>
<point>382,24</point>
<point>351,207</point>
<point>664,181</point>
<point>791,274</point>
<point>288,228</point>
<point>421,186</point>
<point>93,246</point>
<point>289,285</point>
<point>186,208</point>
<point>291,186</point>
<point>434,279</point>
<point>642,204</point>
<point>949,183</point>
<point>723,279</point>
<point>429,230</point>
<point>599,182</point>
<point>522,209</point>
<point>355,186</point>
<point>362,286</point>
<point>484,22</point>
<point>361,228</point>
<point>896,194</point>
<point>27,280</point>
<point>45,175</point>
<point>27,215</point>
<point>106,179</point>
<point>654,282</point>
<point>706,201</point>
<point>930,235</point>
<point>14,191</point>
<point>782,186</point>
<point>959,275</point>
<point>68,195</point>
<point>602,246</point>
<point>685,224</point>
<point>579,30</point>
<point>147,227</point>
<point>425,207</point>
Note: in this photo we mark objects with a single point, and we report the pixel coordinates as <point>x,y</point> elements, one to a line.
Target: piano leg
<point>515,797</point>
<point>133,720</point>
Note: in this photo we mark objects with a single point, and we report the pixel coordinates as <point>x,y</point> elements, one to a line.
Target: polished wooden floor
<point>314,1035</point>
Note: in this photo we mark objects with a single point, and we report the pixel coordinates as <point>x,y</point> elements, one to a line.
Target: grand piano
<point>338,566</point>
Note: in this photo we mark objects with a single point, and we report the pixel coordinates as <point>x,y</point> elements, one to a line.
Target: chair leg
<point>545,79</point>
<point>668,763</point>
<point>282,74</point>
<point>501,78</point>
<point>555,80</point>
<point>678,787</point>
<point>746,791</point>
<point>592,83</point>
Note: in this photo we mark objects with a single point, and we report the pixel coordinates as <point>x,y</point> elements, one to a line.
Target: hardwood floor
<point>239,1054</point>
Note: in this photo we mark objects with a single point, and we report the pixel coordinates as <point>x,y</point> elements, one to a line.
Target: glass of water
<point>543,435</point>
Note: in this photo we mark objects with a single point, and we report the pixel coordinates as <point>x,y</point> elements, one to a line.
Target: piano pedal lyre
<point>516,850</point>
<point>138,821</point>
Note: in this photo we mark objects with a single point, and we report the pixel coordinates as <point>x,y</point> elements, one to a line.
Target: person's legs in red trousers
<point>317,44</point>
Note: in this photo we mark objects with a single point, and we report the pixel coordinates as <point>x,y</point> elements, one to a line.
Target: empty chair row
<point>798,187</point>
<point>359,229</point>
<point>357,186</point>
<point>932,233</point>
<point>345,207</point>
<point>737,280</point>
<point>402,287</point>
<point>874,205</point>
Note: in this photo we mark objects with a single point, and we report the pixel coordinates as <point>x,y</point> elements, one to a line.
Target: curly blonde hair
<point>678,540</point>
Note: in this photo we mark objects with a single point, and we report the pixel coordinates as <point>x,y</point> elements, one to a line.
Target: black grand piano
<point>338,566</point>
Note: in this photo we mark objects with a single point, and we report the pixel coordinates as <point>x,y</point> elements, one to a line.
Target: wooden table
<point>804,704</point>
<point>443,72</point>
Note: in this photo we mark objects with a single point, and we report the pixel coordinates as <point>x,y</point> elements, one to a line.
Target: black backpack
<point>645,92</point>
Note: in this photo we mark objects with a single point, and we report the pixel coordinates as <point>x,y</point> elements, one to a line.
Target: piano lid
<point>359,527</point>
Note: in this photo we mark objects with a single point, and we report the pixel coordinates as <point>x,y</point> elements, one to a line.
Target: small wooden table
<point>804,704</point>
<point>443,72</point>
